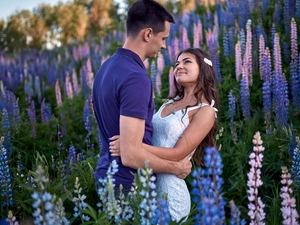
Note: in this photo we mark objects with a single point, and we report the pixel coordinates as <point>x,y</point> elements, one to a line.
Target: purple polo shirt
<point>121,87</point>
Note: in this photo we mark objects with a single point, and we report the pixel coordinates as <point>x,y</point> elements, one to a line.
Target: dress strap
<point>204,104</point>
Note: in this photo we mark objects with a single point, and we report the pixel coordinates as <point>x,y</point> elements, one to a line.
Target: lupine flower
<point>72,157</point>
<point>264,6</point>
<point>286,16</point>
<point>11,219</point>
<point>225,43</point>
<point>145,180</point>
<point>238,61</point>
<point>245,94</point>
<point>5,179</point>
<point>277,14</point>
<point>243,41</point>
<point>255,206</point>
<point>231,37</point>
<point>32,118</point>
<point>6,132</point>
<point>277,55</point>
<point>288,209</point>
<point>69,89</point>
<point>297,9</point>
<point>79,202</point>
<point>248,54</point>
<point>261,56</point>
<point>161,215</point>
<point>295,85</point>
<point>266,89</point>
<point>84,84</point>
<point>44,112</point>
<point>89,73</point>
<point>185,40</point>
<point>75,82</point>
<point>153,73</point>
<point>196,40</point>
<point>232,113</point>
<point>280,99</point>
<point>37,88</point>
<point>58,94</point>
<point>206,190</point>
<point>171,81</point>
<point>295,170</point>
<point>235,215</point>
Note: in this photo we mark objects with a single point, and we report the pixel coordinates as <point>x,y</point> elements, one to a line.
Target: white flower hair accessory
<point>207,61</point>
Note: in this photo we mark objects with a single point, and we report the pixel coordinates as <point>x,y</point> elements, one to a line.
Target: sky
<point>8,7</point>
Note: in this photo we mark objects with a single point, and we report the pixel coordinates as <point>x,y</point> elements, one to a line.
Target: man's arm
<point>134,155</point>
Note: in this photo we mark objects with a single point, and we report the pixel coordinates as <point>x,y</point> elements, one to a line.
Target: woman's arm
<point>202,122</point>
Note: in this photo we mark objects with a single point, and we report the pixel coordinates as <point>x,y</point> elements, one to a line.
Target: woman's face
<point>186,69</point>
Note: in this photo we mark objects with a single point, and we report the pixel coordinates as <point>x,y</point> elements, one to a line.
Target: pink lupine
<point>185,39</point>
<point>196,42</point>
<point>261,56</point>
<point>238,60</point>
<point>58,94</point>
<point>294,45</point>
<point>75,82</point>
<point>89,73</point>
<point>288,209</point>
<point>277,55</point>
<point>171,80</point>
<point>69,88</point>
<point>248,53</point>
<point>255,206</point>
<point>160,63</point>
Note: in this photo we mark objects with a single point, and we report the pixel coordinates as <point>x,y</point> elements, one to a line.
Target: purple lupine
<point>255,205</point>
<point>84,84</point>
<point>277,14</point>
<point>206,190</point>
<point>68,83</point>
<point>280,99</point>
<point>32,117</point>
<point>161,215</point>
<point>286,16</point>
<point>231,38</point>
<point>266,89</point>
<point>153,72</point>
<point>295,85</point>
<point>264,7</point>
<point>232,113</point>
<point>37,88</point>
<point>72,156</point>
<point>286,52</point>
<point>5,179</point>
<point>295,169</point>
<point>44,114</point>
<point>294,45</point>
<point>297,9</point>
<point>245,94</point>
<point>261,55</point>
<point>235,215</point>
<point>225,43</point>
<point>238,61</point>
<point>58,93</point>
<point>288,204</point>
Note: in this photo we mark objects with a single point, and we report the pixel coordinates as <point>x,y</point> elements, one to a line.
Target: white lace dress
<point>166,132</point>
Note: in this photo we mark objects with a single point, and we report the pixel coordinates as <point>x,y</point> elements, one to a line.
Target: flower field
<point>50,142</point>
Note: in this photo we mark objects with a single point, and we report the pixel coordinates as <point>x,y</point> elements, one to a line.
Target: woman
<point>183,124</point>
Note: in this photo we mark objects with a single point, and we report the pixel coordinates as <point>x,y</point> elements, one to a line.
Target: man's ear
<point>147,34</point>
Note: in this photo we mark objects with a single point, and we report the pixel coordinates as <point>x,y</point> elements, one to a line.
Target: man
<point>123,98</point>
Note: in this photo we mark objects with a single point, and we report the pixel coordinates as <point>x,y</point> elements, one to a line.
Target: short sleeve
<point>135,94</point>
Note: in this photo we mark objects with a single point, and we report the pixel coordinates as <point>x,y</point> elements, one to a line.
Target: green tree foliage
<point>73,21</point>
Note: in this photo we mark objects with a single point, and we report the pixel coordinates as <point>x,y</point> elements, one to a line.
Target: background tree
<point>72,20</point>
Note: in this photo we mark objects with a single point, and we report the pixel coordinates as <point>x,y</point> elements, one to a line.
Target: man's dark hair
<point>147,13</point>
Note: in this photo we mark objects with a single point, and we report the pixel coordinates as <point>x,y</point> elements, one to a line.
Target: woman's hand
<point>114,145</point>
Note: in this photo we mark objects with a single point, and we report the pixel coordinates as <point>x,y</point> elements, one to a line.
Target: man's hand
<point>114,145</point>
<point>185,167</point>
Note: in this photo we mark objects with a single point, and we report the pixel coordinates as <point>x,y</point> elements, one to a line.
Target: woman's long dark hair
<point>206,86</point>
